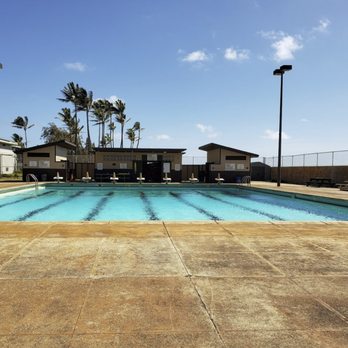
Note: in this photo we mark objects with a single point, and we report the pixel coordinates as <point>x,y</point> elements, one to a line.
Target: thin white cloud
<point>162,137</point>
<point>274,135</point>
<point>208,130</point>
<point>236,55</point>
<point>304,119</point>
<point>286,47</point>
<point>196,56</point>
<point>204,128</point>
<point>271,34</point>
<point>77,66</point>
<point>323,25</point>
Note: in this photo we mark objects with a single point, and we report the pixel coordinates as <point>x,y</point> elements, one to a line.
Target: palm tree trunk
<point>25,136</point>
<point>76,127</point>
<point>99,134</point>
<point>121,145</point>
<point>110,130</point>
<point>138,138</point>
<point>103,134</point>
<point>88,133</point>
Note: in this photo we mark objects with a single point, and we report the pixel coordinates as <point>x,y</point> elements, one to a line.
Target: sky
<point>190,71</point>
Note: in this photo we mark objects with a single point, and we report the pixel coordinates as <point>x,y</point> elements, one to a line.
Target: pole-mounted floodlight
<point>280,72</point>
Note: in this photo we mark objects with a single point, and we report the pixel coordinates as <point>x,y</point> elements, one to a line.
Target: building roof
<point>8,142</point>
<point>213,146</point>
<point>61,143</point>
<point>141,150</point>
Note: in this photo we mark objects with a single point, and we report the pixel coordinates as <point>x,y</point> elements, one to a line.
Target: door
<point>152,171</point>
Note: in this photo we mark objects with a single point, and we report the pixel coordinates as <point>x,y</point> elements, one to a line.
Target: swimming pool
<point>141,203</point>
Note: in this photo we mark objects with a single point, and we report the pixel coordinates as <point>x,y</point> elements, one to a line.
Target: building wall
<point>7,163</point>
<point>46,168</point>
<point>46,162</point>
<point>128,165</point>
<point>124,160</point>
<point>8,159</point>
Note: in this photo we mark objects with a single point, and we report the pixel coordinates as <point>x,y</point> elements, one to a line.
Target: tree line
<point>101,112</point>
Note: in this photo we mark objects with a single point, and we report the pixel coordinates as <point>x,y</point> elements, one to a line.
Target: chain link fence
<point>315,159</point>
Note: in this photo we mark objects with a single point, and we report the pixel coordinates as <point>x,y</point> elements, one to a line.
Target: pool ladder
<point>30,175</point>
<point>246,180</point>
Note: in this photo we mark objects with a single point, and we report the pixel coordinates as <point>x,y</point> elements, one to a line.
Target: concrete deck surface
<point>174,285</point>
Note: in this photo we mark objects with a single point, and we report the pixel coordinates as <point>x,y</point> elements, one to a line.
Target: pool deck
<point>169,284</point>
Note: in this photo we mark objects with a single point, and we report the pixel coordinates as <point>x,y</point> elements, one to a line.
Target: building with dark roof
<point>231,163</point>
<point>152,163</point>
<point>44,161</point>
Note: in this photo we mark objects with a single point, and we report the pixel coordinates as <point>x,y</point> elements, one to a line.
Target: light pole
<point>280,72</point>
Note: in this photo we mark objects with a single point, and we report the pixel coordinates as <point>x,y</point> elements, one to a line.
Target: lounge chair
<point>114,178</point>
<point>219,180</point>
<point>141,178</point>
<point>86,178</point>
<point>166,179</point>
<point>58,178</point>
<point>193,180</point>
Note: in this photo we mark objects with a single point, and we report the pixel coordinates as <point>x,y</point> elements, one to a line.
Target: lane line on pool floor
<point>199,209</point>
<point>98,207</point>
<point>47,207</point>
<point>25,199</point>
<point>272,216</point>
<point>291,206</point>
<point>148,207</point>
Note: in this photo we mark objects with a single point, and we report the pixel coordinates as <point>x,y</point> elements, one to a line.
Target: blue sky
<point>191,72</point>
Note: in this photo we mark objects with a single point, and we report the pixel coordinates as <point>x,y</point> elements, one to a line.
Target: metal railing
<point>27,179</point>
<point>315,159</point>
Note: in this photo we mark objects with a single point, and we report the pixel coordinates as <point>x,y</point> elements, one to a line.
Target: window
<point>44,164</point>
<point>123,165</point>
<point>235,158</point>
<point>240,166</point>
<point>32,163</point>
<point>38,154</point>
<point>230,166</point>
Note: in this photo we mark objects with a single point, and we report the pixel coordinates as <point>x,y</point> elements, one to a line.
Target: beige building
<point>127,164</point>
<point>44,161</point>
<point>8,158</point>
<point>232,164</point>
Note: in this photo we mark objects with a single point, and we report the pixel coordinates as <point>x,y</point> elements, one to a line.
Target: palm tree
<point>110,110</point>
<point>120,107</point>
<point>18,139</point>
<point>131,136</point>
<point>85,104</point>
<point>112,128</point>
<point>101,113</point>
<point>72,125</point>
<point>53,133</point>
<point>138,128</point>
<point>72,94</point>
<point>22,123</point>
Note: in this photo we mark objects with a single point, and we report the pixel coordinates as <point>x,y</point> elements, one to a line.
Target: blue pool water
<point>162,203</point>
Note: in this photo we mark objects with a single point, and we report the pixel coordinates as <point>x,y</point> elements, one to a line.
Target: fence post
<point>317,158</point>
<point>304,159</point>
<point>292,160</point>
<point>333,158</point>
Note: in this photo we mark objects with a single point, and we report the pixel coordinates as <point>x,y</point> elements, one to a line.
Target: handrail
<point>30,175</point>
<point>246,180</point>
